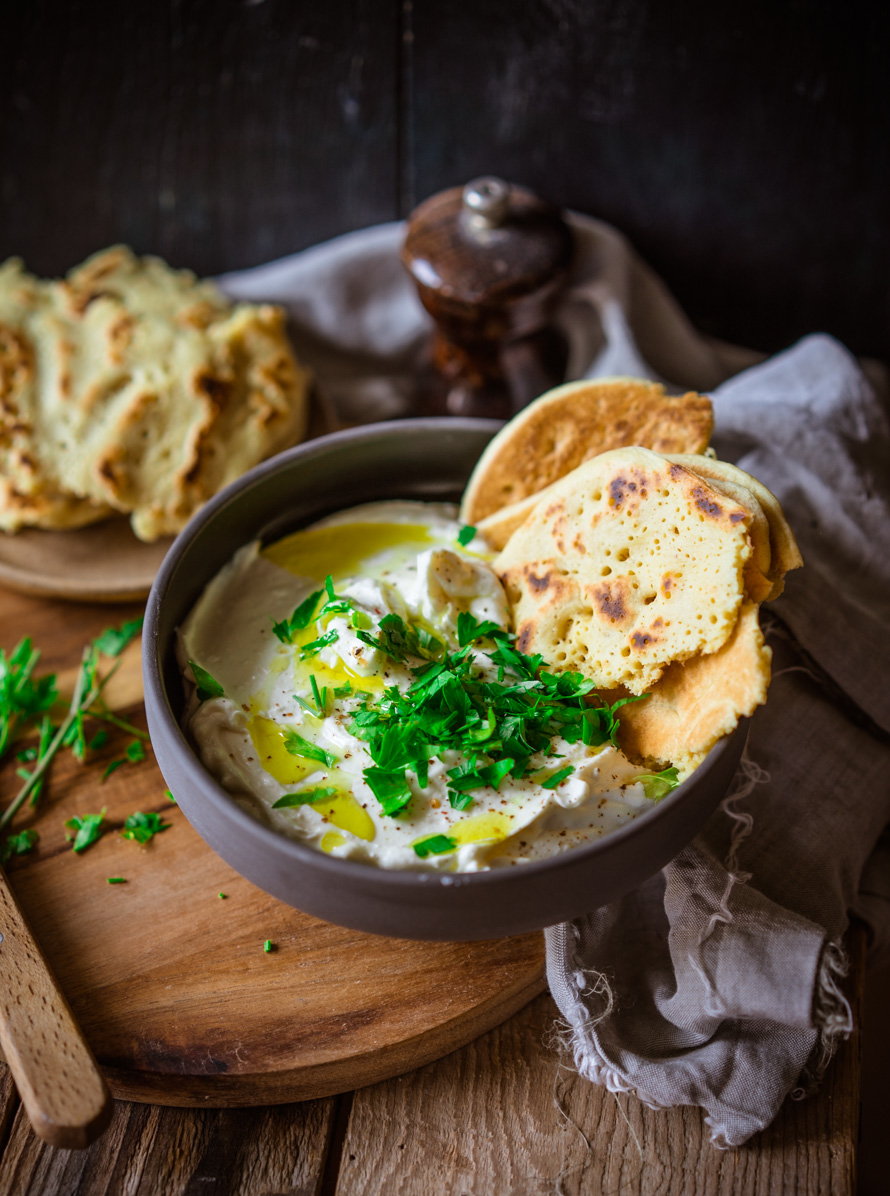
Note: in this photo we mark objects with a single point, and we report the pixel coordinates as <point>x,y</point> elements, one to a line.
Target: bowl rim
<point>227,806</point>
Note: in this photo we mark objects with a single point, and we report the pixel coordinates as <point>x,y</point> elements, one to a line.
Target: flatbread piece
<point>628,564</point>
<point>578,421</point>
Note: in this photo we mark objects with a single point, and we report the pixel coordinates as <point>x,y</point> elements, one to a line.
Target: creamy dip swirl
<point>384,558</point>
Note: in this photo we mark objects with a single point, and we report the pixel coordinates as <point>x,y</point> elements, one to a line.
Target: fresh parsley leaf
<point>459,801</point>
<point>169,796</point>
<point>336,603</point>
<point>19,844</point>
<point>87,829</point>
<point>300,619</point>
<point>268,946</point>
<point>469,629</point>
<point>330,637</point>
<point>113,766</point>
<point>117,880</point>
<point>391,789</point>
<point>296,745</point>
<point>98,741</point>
<point>465,535</point>
<point>304,797</point>
<point>558,777</point>
<point>207,686</point>
<point>135,751</point>
<point>435,845</point>
<point>113,640</point>
<point>142,828</point>
<point>21,697</point>
<point>29,754</point>
<point>658,785</point>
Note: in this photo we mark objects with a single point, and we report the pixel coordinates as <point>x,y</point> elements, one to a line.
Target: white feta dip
<point>284,727</point>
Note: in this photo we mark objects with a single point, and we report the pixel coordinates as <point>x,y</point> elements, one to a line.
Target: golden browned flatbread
<point>784,552</point>
<point>698,701</point>
<point>572,424</point>
<point>136,388</point>
<point>629,563</point>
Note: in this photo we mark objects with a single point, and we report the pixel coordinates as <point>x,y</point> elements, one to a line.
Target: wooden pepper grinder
<point>489,260</point>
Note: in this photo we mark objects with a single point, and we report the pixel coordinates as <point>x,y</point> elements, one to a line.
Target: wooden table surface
<point>504,1115</point>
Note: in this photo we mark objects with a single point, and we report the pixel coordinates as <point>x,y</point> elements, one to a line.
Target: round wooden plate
<point>171,983</point>
<point>103,562</point>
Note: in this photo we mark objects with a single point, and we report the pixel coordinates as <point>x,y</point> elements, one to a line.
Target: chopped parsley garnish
<point>208,687</point>
<point>558,778</point>
<point>87,830</point>
<point>303,797</point>
<point>117,880</point>
<point>498,726</point>
<point>465,535</point>
<point>659,784</point>
<point>112,766</point>
<point>268,946</point>
<point>299,620</point>
<point>169,796</point>
<point>142,828</point>
<point>398,640</point>
<point>323,641</point>
<point>296,745</point>
<point>19,844</point>
<point>222,896</point>
<point>336,603</point>
<point>98,741</point>
<point>135,754</point>
<point>435,845</point>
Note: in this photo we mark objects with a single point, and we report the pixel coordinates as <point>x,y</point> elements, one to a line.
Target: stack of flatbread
<point>630,556</point>
<point>131,387</point>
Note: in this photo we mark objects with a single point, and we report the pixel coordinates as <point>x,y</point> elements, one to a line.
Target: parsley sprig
<point>21,699</point>
<point>498,725</point>
<point>21,696</point>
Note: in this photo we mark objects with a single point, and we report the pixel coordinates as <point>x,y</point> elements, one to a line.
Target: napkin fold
<point>717,982</point>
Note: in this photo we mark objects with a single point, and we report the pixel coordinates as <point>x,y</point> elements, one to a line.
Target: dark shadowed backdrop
<point>743,148</point>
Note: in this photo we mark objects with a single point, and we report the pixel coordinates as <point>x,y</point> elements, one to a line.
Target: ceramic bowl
<point>428,459</point>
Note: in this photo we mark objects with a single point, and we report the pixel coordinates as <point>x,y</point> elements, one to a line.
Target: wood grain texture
<point>506,1117</point>
<point>151,1151</point>
<point>62,1090</point>
<point>171,984</point>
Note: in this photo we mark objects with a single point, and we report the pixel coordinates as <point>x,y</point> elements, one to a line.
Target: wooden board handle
<point>57,1077</point>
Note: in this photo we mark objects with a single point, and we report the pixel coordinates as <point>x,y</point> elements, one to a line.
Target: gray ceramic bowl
<point>422,459</point>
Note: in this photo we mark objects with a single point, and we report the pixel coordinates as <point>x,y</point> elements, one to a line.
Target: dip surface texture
<point>330,645</point>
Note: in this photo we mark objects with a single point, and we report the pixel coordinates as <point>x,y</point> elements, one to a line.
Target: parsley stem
<point>80,705</point>
<point>120,723</point>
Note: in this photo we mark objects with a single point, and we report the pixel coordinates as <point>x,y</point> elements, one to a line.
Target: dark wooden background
<point>742,147</point>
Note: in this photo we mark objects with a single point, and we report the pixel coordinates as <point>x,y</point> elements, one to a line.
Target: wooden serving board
<point>176,995</point>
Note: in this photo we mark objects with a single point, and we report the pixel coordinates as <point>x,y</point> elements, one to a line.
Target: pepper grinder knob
<point>489,261</point>
<point>486,202</point>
